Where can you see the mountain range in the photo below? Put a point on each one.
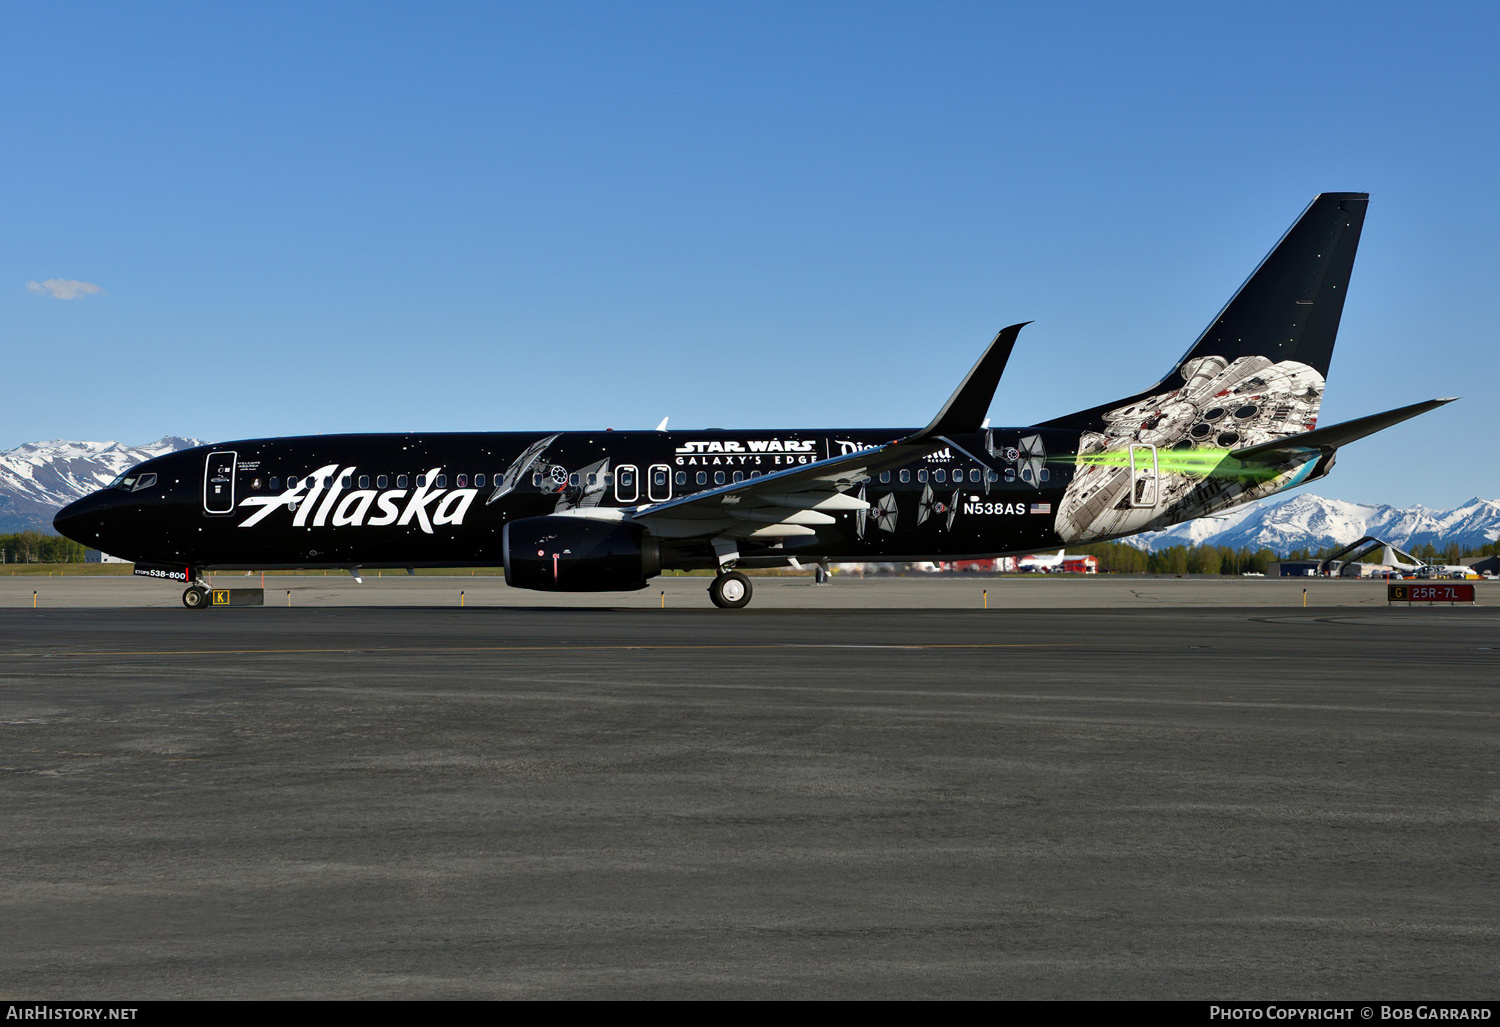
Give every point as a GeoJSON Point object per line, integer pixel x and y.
{"type": "Point", "coordinates": [1312, 522]}
{"type": "Point", "coordinates": [39, 478]}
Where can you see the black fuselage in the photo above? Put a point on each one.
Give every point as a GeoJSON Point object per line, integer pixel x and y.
{"type": "Point", "coordinates": [444, 499]}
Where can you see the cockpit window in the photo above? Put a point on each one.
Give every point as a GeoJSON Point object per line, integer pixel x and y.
{"type": "Point", "coordinates": [132, 482]}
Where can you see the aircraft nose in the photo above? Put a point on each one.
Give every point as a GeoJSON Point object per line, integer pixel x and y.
{"type": "Point", "coordinates": [79, 521]}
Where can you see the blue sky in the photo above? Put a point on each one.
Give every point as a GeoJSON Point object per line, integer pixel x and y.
{"type": "Point", "coordinates": [323, 217]}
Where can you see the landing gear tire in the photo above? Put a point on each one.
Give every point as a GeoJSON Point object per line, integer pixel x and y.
{"type": "Point", "coordinates": [730, 591]}
{"type": "Point", "coordinates": [195, 598]}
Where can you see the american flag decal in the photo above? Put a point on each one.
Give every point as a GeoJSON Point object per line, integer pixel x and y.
{"type": "Point", "coordinates": [1041, 508]}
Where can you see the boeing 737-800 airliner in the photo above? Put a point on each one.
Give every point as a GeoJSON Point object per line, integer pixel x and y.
{"type": "Point", "coordinates": [579, 511]}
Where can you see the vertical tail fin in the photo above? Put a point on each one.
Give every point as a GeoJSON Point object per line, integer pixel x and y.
{"type": "Point", "coordinates": [1287, 313]}
{"type": "Point", "coordinates": [1253, 379]}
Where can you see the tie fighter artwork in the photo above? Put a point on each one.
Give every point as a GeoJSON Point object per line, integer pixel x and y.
{"type": "Point", "coordinates": [1032, 459]}
{"type": "Point", "coordinates": [931, 506]}
{"type": "Point", "coordinates": [879, 514]}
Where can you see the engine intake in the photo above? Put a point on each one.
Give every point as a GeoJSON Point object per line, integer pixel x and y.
{"type": "Point", "coordinates": [573, 554]}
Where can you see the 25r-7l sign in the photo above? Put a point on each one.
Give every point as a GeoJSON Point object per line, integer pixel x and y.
{"type": "Point", "coordinates": [1441, 592]}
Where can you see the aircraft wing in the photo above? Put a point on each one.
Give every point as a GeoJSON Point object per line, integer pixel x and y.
{"type": "Point", "coordinates": [799, 500]}
{"type": "Point", "coordinates": [1331, 438]}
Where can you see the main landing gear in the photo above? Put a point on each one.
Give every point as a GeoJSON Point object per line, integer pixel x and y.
{"type": "Point", "coordinates": [730, 591]}
{"type": "Point", "coordinates": [195, 597]}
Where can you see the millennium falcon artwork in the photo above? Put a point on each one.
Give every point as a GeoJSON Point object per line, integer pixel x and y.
{"type": "Point", "coordinates": [1159, 459]}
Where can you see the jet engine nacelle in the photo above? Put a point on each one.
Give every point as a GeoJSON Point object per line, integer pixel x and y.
{"type": "Point", "coordinates": [574, 554]}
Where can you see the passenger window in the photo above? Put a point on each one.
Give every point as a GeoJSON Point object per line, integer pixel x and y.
{"type": "Point", "coordinates": [905, 476]}
{"type": "Point", "coordinates": [442, 481]}
{"type": "Point", "coordinates": [255, 485]}
{"type": "Point", "coordinates": [922, 475]}
{"type": "Point", "coordinates": [382, 481]}
{"type": "Point", "coordinates": [939, 475]}
{"type": "Point", "coordinates": [574, 480]}
{"type": "Point", "coordinates": [885, 477]}
{"type": "Point", "coordinates": [346, 481]}
{"type": "Point", "coordinates": [593, 480]}
{"type": "Point", "coordinates": [421, 480]}
{"type": "Point", "coordinates": [1010, 474]}
{"type": "Point", "coordinates": [401, 481]}
{"type": "Point", "coordinates": [479, 481]}
{"type": "Point", "coordinates": [702, 477]}
{"type": "Point", "coordinates": [658, 477]}
{"type": "Point", "coordinates": [1046, 474]}
{"type": "Point", "coordinates": [739, 476]}
{"type": "Point", "coordinates": [718, 477]}
{"type": "Point", "coordinates": [364, 481]}
{"type": "Point", "coordinates": [275, 484]}
{"type": "Point", "coordinates": [291, 482]}
{"type": "Point", "coordinates": [462, 481]}
{"type": "Point", "coordinates": [681, 477]}
{"type": "Point", "coordinates": [755, 474]}
{"type": "Point", "coordinates": [991, 476]}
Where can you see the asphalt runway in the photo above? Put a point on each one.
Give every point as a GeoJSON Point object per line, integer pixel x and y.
{"type": "Point", "coordinates": [1161, 796]}
{"type": "Point", "coordinates": [848, 591]}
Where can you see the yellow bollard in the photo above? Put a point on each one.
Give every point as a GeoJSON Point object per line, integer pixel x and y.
{"type": "Point", "coordinates": [460, 598]}
{"type": "Point", "coordinates": [986, 599]}
{"type": "Point", "coordinates": [663, 599]}
{"type": "Point", "coordinates": [33, 600]}
{"type": "Point", "coordinates": [289, 597]}
{"type": "Point", "coordinates": [1304, 598]}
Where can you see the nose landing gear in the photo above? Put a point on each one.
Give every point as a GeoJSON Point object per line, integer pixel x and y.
{"type": "Point", "coordinates": [195, 597]}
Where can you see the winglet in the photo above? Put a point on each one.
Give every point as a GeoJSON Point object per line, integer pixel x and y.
{"type": "Point", "coordinates": [964, 412]}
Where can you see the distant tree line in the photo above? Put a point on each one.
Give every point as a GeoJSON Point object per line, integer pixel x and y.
{"type": "Point", "coordinates": [34, 547]}
{"type": "Point", "coordinates": [1122, 558]}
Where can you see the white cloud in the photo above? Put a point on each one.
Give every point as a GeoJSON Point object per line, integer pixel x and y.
{"type": "Point", "coordinates": [63, 288]}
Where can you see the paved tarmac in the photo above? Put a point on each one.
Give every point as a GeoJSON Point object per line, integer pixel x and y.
{"type": "Point", "coordinates": [847, 591]}
{"type": "Point", "coordinates": [1170, 789]}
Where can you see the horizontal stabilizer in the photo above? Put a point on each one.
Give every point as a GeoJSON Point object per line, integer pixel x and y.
{"type": "Point", "coordinates": [1334, 436]}
{"type": "Point", "coordinates": [964, 412]}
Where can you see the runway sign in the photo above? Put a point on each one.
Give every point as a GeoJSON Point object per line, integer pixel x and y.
{"type": "Point", "coordinates": [1434, 593]}
{"type": "Point", "coordinates": [239, 597]}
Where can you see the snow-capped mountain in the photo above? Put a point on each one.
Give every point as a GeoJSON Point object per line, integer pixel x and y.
{"type": "Point", "coordinates": [1313, 522]}
{"type": "Point", "coordinates": [39, 478]}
